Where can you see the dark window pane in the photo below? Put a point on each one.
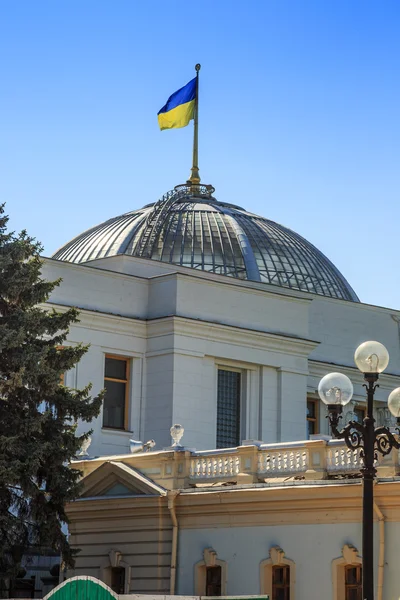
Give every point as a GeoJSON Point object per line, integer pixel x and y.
{"type": "Point", "coordinates": [281, 582]}
{"type": "Point", "coordinates": [278, 575]}
{"type": "Point", "coordinates": [115, 368]}
{"type": "Point", "coordinates": [359, 414]}
{"type": "Point", "coordinates": [310, 428]}
{"type": "Point", "coordinates": [213, 581]}
{"type": "Point", "coordinates": [114, 404]}
{"type": "Point", "coordinates": [118, 580]}
{"type": "Point", "coordinates": [228, 409]}
{"type": "Point", "coordinates": [353, 583]}
{"type": "Point", "coordinates": [311, 411]}
{"type": "Point", "coordinates": [351, 575]}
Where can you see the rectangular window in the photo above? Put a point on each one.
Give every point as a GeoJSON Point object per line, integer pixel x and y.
{"type": "Point", "coordinates": [281, 582]}
{"type": "Point", "coordinates": [312, 417]}
{"type": "Point", "coordinates": [116, 380]}
{"type": "Point", "coordinates": [228, 408]}
{"type": "Point", "coordinates": [213, 581]}
{"type": "Point", "coordinates": [353, 583]}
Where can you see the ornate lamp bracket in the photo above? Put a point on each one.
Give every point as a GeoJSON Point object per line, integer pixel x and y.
{"type": "Point", "coordinates": [354, 433]}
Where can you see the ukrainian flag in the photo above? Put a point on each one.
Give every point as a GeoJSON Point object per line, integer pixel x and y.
{"type": "Point", "coordinates": [179, 109]}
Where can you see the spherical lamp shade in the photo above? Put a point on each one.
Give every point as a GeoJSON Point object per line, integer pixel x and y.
{"type": "Point", "coordinates": [371, 357]}
{"type": "Point", "coordinates": [394, 402]}
{"type": "Point", "coordinates": [335, 388]}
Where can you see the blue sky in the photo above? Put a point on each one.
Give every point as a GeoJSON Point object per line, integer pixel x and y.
{"type": "Point", "coordinates": [299, 117]}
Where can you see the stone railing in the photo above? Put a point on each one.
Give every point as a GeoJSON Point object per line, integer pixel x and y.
{"type": "Point", "coordinates": [339, 459]}
{"type": "Point", "coordinates": [274, 461]}
{"type": "Point", "coordinates": [315, 459]}
{"type": "Point", "coordinates": [253, 462]}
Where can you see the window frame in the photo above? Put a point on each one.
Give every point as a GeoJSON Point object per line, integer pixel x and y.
{"type": "Point", "coordinates": [351, 586]}
{"type": "Point", "coordinates": [115, 559]}
{"type": "Point", "coordinates": [126, 381]}
{"type": "Point", "coordinates": [242, 399]}
{"type": "Point", "coordinates": [315, 419]}
{"type": "Point", "coordinates": [349, 557]}
{"type": "Point", "coordinates": [286, 583]}
{"type": "Point", "coordinates": [210, 559]}
{"type": "Point", "coordinates": [214, 567]}
{"type": "Point", "coordinates": [277, 558]}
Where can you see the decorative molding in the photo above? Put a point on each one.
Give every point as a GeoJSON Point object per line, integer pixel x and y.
{"type": "Point", "coordinates": [239, 336]}
{"type": "Point", "coordinates": [350, 555]}
{"type": "Point", "coordinates": [109, 473]}
{"type": "Point", "coordinates": [318, 369]}
{"type": "Point", "coordinates": [210, 557]}
{"type": "Point", "coordinates": [277, 555]}
{"type": "Point", "coordinates": [107, 322]}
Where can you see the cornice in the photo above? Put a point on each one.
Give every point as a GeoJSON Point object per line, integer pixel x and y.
{"type": "Point", "coordinates": [298, 505]}
{"type": "Point", "coordinates": [82, 267]}
{"type": "Point", "coordinates": [109, 507]}
{"type": "Point", "coordinates": [234, 335]}
{"type": "Point", "coordinates": [319, 369]}
{"type": "Point", "coordinates": [245, 507]}
{"type": "Point", "coordinates": [107, 322]}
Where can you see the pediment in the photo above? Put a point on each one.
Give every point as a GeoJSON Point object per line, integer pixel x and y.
{"type": "Point", "coordinates": [116, 479]}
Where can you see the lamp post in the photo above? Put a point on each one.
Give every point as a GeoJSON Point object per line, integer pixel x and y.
{"type": "Point", "coordinates": [336, 390]}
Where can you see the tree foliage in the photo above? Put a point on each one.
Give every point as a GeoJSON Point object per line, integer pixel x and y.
{"type": "Point", "coordinates": [38, 415]}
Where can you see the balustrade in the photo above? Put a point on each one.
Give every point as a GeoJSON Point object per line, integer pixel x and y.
{"type": "Point", "coordinates": [276, 460]}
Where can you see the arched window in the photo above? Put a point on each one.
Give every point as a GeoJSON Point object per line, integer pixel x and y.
{"type": "Point", "coordinates": [116, 573]}
{"type": "Point", "coordinates": [210, 575]}
{"type": "Point", "coordinates": [347, 575]}
{"type": "Point", "coordinates": [278, 576]}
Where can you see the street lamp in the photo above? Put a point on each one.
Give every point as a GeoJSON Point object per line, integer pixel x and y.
{"type": "Point", "coordinates": [336, 390]}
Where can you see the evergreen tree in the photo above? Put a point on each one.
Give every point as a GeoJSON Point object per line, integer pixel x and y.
{"type": "Point", "coordinates": [38, 414]}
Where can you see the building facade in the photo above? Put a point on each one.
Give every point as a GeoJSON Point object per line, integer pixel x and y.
{"type": "Point", "coordinates": [279, 519]}
{"type": "Point", "coordinates": [200, 313]}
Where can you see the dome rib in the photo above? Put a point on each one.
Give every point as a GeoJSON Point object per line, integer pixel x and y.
{"type": "Point", "coordinates": [190, 228]}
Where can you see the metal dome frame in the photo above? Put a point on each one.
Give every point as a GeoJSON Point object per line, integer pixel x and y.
{"type": "Point", "coordinates": [190, 228]}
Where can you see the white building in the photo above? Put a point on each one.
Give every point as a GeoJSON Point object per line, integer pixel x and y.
{"type": "Point", "coordinates": [200, 313]}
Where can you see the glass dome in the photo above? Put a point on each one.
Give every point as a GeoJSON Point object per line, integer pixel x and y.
{"type": "Point", "coordinates": [190, 228]}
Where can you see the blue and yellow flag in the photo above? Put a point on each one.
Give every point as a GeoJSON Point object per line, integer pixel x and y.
{"type": "Point", "coordinates": [179, 109]}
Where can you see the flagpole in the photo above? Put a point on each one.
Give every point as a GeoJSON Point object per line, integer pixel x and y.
{"type": "Point", "coordinates": [195, 176]}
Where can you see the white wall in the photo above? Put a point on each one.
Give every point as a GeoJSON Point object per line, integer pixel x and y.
{"type": "Point", "coordinates": [342, 326]}
{"type": "Point", "coordinates": [102, 291]}
{"type": "Point", "coordinates": [177, 327]}
{"type": "Point", "coordinates": [311, 547]}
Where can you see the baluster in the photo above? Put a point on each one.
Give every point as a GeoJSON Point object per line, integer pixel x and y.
{"type": "Point", "coordinates": [274, 459]}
